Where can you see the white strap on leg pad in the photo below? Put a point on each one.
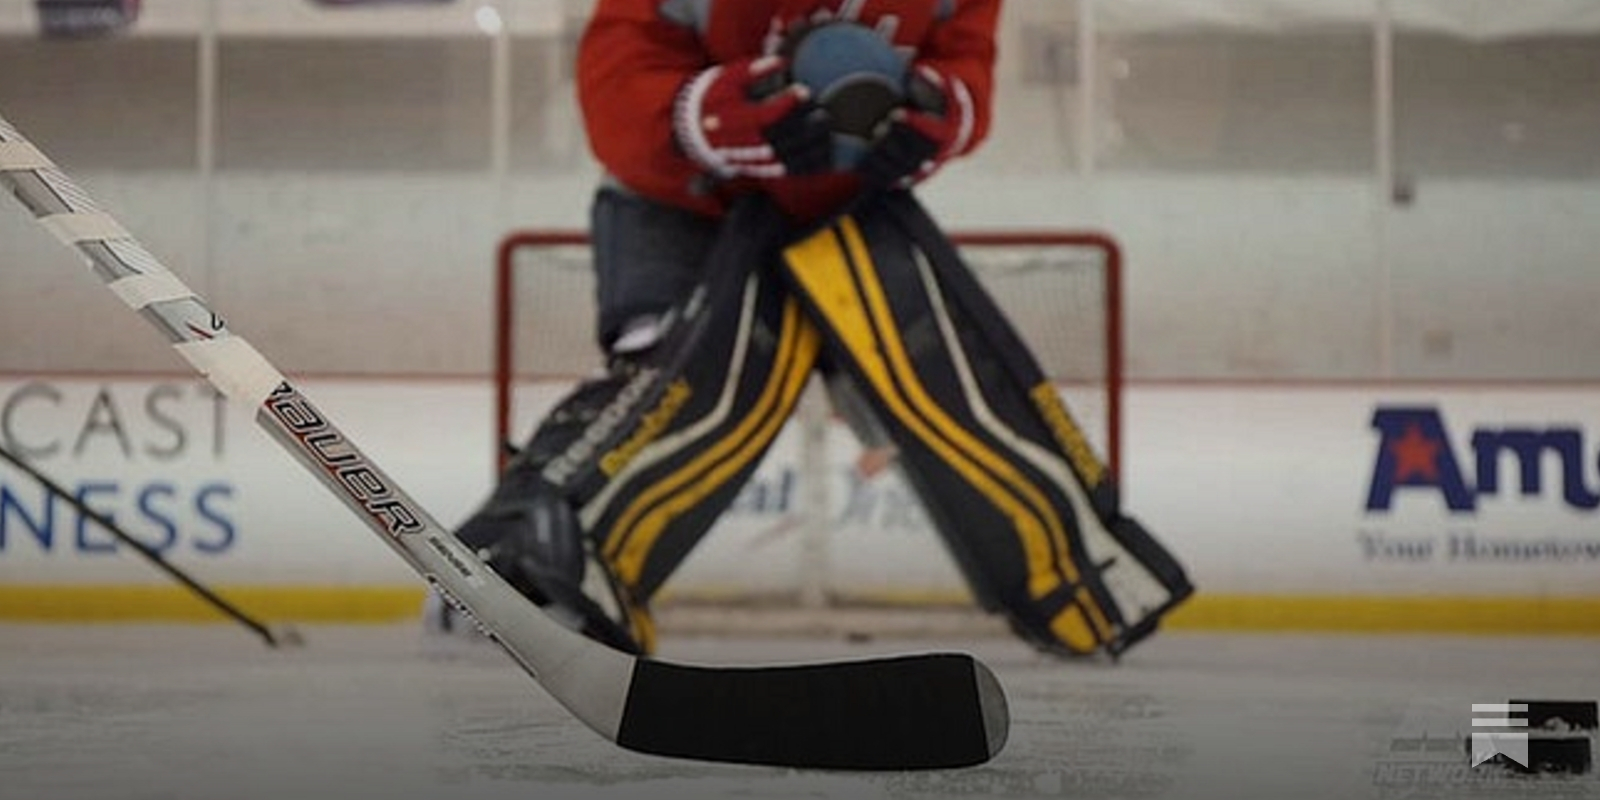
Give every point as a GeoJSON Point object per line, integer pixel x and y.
{"type": "Point", "coordinates": [639, 334]}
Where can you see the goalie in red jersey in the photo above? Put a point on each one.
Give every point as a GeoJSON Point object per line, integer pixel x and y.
{"type": "Point", "coordinates": [729, 131]}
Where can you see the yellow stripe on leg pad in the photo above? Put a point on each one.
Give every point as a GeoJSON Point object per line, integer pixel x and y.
{"type": "Point", "coordinates": [837, 271]}
{"type": "Point", "coordinates": [647, 517]}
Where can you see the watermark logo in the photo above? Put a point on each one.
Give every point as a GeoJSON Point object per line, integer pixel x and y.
{"type": "Point", "coordinates": [1512, 744]}
{"type": "Point", "coordinates": [1520, 748]}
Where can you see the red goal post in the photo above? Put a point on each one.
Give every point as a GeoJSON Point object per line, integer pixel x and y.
{"type": "Point", "coordinates": [1061, 288]}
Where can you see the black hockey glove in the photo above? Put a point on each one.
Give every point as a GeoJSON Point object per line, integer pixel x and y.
{"type": "Point", "coordinates": [934, 124]}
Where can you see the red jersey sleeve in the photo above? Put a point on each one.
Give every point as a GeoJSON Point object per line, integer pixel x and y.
{"type": "Point", "coordinates": [631, 63]}
{"type": "Point", "coordinates": [963, 45]}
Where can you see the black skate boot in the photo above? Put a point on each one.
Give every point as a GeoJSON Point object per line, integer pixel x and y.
{"type": "Point", "coordinates": [529, 534]}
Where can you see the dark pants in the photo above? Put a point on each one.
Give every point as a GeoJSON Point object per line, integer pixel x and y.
{"type": "Point", "coordinates": [647, 257]}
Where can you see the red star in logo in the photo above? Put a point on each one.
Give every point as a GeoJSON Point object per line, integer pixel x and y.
{"type": "Point", "coordinates": [1415, 455]}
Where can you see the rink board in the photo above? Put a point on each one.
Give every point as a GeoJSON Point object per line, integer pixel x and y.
{"type": "Point", "coordinates": [1306, 506]}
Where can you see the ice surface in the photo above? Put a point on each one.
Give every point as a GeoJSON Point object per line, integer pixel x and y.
{"type": "Point", "coordinates": [135, 711]}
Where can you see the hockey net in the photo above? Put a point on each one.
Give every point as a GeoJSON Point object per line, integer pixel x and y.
{"type": "Point", "coordinates": [816, 522]}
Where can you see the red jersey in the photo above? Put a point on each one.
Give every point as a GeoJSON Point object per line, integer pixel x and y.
{"type": "Point", "coordinates": [635, 56]}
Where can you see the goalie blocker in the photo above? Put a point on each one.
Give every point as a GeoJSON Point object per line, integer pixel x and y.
{"type": "Point", "coordinates": [629, 472]}
{"type": "Point", "coordinates": [1024, 504]}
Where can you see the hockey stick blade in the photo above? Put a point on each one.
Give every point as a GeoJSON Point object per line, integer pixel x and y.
{"type": "Point", "coordinates": [912, 712]}
{"type": "Point", "coordinates": [908, 712]}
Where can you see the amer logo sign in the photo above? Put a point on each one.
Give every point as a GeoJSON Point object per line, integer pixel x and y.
{"type": "Point", "coordinates": [1415, 456]}
{"type": "Point", "coordinates": [1510, 493]}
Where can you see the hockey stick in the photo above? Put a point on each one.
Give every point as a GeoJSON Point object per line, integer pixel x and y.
{"type": "Point", "coordinates": [924, 711]}
{"type": "Point", "coordinates": [284, 635]}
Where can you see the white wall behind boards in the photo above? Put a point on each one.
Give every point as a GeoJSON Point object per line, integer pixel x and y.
{"type": "Point", "coordinates": [1232, 277]}
{"type": "Point", "coordinates": [1305, 190]}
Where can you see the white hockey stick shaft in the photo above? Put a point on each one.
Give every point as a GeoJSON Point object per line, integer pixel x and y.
{"type": "Point", "coordinates": [589, 679]}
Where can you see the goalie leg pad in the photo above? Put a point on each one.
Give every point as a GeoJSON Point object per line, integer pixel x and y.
{"type": "Point", "coordinates": [1019, 498]}
{"type": "Point", "coordinates": [648, 458]}
{"type": "Point", "coordinates": [652, 492]}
